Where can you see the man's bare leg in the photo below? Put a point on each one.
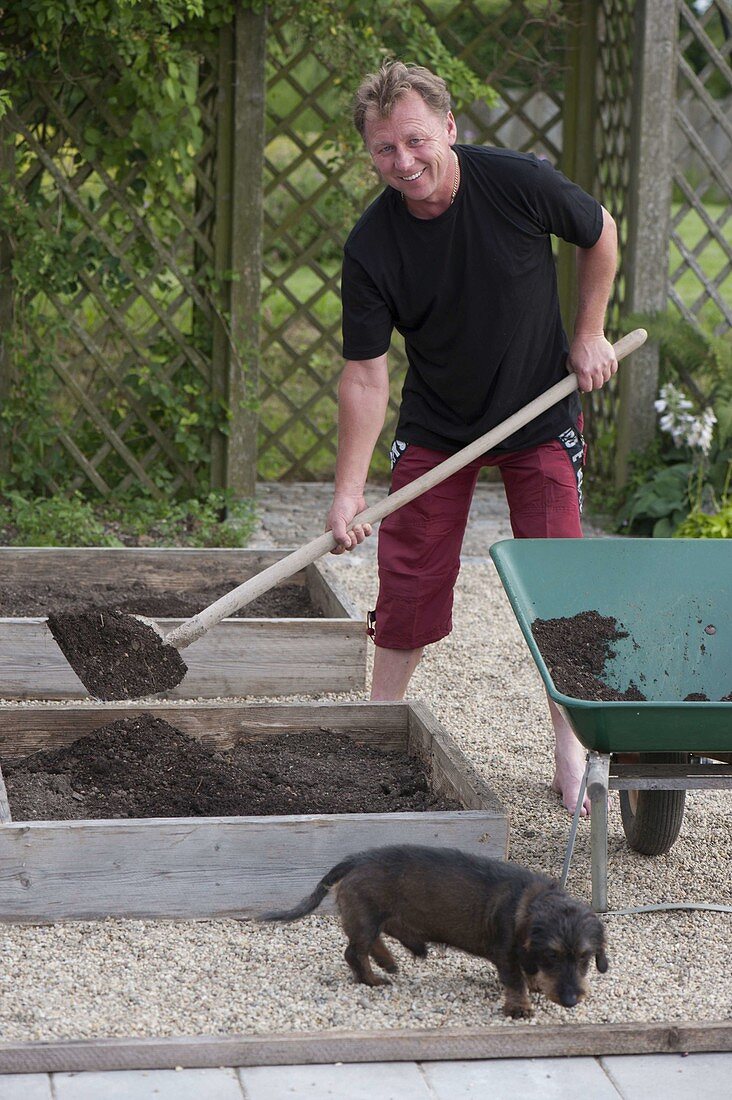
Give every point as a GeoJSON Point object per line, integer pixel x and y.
{"type": "Point", "coordinates": [393, 670]}
{"type": "Point", "coordinates": [569, 762]}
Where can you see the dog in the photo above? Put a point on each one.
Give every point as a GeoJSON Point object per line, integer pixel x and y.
{"type": "Point", "coordinates": [536, 935]}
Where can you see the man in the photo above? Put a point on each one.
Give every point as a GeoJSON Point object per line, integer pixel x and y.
{"type": "Point", "coordinates": [456, 255]}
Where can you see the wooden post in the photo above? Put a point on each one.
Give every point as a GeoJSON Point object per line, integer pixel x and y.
{"type": "Point", "coordinates": [649, 206]}
{"type": "Point", "coordinates": [238, 248]}
{"type": "Point", "coordinates": [7, 171]}
{"type": "Point", "coordinates": [578, 133]}
{"type": "Point", "coordinates": [222, 247]}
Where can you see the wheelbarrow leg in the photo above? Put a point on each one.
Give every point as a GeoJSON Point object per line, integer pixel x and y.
{"type": "Point", "coordinates": [575, 825]}
{"type": "Point", "coordinates": [598, 784]}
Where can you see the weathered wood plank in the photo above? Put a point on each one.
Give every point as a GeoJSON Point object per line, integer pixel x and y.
{"type": "Point", "coordinates": [159, 568]}
{"type": "Point", "coordinates": [650, 162]}
{"type": "Point", "coordinates": [201, 867]}
{"type": "Point", "coordinates": [327, 594]}
{"type": "Point", "coordinates": [26, 729]}
{"type": "Point", "coordinates": [452, 773]}
{"type": "Point", "coordinates": [517, 1040]}
{"type": "Point", "coordinates": [5, 815]}
{"type": "Point", "coordinates": [245, 292]}
{"type": "Point", "coordinates": [237, 657]}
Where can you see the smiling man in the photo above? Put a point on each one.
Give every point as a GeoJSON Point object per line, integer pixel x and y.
{"type": "Point", "coordinates": [456, 254]}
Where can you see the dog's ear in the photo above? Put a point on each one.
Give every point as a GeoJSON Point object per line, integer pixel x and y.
{"type": "Point", "coordinates": [601, 961]}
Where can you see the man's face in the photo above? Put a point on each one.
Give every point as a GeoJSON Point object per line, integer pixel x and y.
{"type": "Point", "coordinates": [412, 151]}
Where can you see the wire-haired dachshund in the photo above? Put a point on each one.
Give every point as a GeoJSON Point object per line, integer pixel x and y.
{"type": "Point", "coordinates": [537, 936]}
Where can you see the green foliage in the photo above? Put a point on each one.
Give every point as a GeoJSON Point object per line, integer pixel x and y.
{"type": "Point", "coordinates": [702, 525]}
{"type": "Point", "coordinates": [52, 521]}
{"type": "Point", "coordinates": [678, 490]}
{"type": "Point", "coordinates": [123, 75]}
{"type": "Point", "coordinates": [70, 520]}
{"type": "Point", "coordinates": [658, 502]}
{"type": "Point", "coordinates": [714, 521]}
{"type": "Point", "coordinates": [356, 39]}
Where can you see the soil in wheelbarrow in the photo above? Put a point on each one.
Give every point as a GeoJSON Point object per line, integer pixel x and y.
{"type": "Point", "coordinates": [140, 766]}
{"type": "Point", "coordinates": [575, 650]}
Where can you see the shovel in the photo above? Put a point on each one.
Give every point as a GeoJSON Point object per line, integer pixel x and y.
{"type": "Point", "coordinates": [119, 656]}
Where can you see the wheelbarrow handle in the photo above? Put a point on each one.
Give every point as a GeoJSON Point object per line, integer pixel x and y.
{"type": "Point", "coordinates": [195, 627]}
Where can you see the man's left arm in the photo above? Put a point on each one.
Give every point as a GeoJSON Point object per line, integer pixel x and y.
{"type": "Point", "coordinates": [591, 356]}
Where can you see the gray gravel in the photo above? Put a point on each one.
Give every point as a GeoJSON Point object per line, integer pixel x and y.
{"type": "Point", "coordinates": [142, 978]}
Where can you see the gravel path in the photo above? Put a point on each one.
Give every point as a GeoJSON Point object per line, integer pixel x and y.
{"type": "Point", "coordinates": [124, 978]}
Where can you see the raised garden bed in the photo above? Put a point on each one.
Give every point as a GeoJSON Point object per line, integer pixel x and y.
{"type": "Point", "coordinates": [205, 867]}
{"type": "Point", "coordinates": [305, 636]}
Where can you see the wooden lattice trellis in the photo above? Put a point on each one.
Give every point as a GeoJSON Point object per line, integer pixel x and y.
{"type": "Point", "coordinates": [703, 166]}
{"type": "Point", "coordinates": [119, 329]}
{"type": "Point", "coordinates": [139, 318]}
{"type": "Point", "coordinates": [615, 30]}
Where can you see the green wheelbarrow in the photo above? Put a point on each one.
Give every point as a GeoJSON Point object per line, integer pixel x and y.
{"type": "Point", "coordinates": [674, 598]}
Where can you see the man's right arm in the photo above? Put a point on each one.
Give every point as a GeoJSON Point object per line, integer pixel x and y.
{"type": "Point", "coordinates": [363, 396]}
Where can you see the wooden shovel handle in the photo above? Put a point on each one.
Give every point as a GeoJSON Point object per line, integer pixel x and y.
{"type": "Point", "coordinates": [195, 627]}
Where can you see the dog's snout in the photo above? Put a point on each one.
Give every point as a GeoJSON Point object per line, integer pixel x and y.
{"type": "Point", "coordinates": [569, 999]}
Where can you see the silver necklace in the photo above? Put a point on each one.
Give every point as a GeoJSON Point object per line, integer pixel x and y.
{"type": "Point", "coordinates": [456, 181]}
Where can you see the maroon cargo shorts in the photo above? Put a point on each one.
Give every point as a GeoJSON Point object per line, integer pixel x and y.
{"type": "Point", "coordinates": [419, 544]}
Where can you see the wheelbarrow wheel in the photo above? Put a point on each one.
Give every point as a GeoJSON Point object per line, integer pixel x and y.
{"type": "Point", "coordinates": [652, 820]}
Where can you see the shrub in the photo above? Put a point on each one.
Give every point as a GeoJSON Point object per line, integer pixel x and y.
{"type": "Point", "coordinates": [74, 521]}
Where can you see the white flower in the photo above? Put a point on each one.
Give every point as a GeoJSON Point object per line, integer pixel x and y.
{"type": "Point", "coordinates": [685, 429]}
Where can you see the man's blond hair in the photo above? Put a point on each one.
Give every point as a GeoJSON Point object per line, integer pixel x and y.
{"type": "Point", "coordinates": [379, 92]}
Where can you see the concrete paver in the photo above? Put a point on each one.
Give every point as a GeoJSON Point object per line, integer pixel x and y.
{"type": "Point", "coordinates": [513, 1079]}
{"type": "Point", "coordinates": [631, 1077]}
{"type": "Point", "coordinates": [162, 1084]}
{"type": "Point", "coordinates": [25, 1086]}
{"type": "Point", "coordinates": [673, 1076]}
{"type": "Point", "coordinates": [353, 1081]}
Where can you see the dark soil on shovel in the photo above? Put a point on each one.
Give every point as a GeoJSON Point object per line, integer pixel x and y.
{"type": "Point", "coordinates": [575, 650]}
{"type": "Point", "coordinates": [116, 656]}
{"type": "Point", "coordinates": [143, 767]}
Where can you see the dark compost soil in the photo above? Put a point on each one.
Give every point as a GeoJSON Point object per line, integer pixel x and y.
{"type": "Point", "coordinates": [143, 767]}
{"type": "Point", "coordinates": [575, 650]}
{"type": "Point", "coordinates": [290, 601]}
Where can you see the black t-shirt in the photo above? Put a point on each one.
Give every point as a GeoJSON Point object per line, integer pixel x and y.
{"type": "Point", "coordinates": [474, 294]}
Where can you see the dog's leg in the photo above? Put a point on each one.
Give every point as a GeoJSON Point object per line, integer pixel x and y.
{"type": "Point", "coordinates": [362, 929]}
{"type": "Point", "coordinates": [383, 956]}
{"type": "Point", "coordinates": [516, 1004]}
{"type": "Point", "coordinates": [406, 938]}
{"type": "Point", "coordinates": [516, 1001]}
{"type": "Point", "coordinates": [360, 964]}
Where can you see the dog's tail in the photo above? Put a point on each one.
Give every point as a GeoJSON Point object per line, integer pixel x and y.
{"type": "Point", "coordinates": [312, 901]}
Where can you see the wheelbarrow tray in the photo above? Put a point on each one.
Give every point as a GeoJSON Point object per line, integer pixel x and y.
{"type": "Point", "coordinates": [665, 593]}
